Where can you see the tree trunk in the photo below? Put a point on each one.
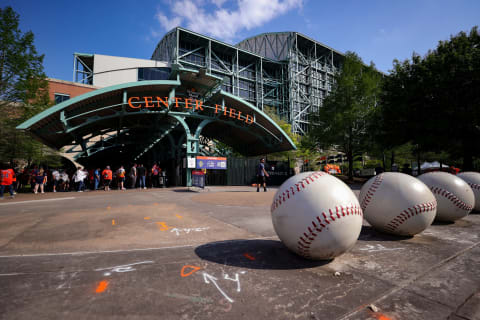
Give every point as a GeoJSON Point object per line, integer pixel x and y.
{"type": "Point", "coordinates": [419, 171]}
{"type": "Point", "coordinates": [350, 155]}
{"type": "Point", "coordinates": [392, 160]}
{"type": "Point", "coordinates": [350, 165]}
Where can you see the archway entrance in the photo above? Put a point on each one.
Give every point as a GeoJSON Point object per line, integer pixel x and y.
{"type": "Point", "coordinates": [164, 121]}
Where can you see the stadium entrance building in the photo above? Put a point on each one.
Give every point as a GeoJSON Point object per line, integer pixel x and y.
{"type": "Point", "coordinates": [193, 93]}
{"type": "Point", "coordinates": [164, 121]}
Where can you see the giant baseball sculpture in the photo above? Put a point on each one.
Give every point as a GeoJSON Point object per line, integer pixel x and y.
{"type": "Point", "coordinates": [473, 180]}
{"type": "Point", "coordinates": [454, 196]}
{"type": "Point", "coordinates": [316, 215]}
{"type": "Point", "coordinates": [397, 203]}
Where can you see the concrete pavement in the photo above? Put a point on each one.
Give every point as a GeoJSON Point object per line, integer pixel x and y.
{"type": "Point", "coordinates": [176, 254]}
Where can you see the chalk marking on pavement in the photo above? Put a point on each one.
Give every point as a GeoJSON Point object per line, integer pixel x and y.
{"type": "Point", "coordinates": [102, 286]}
{"type": "Point", "coordinates": [191, 298]}
{"type": "Point", "coordinates": [125, 267]}
{"type": "Point", "coordinates": [406, 283]}
{"type": "Point", "coordinates": [30, 201]}
{"type": "Point", "coordinates": [163, 226]}
{"type": "Point", "coordinates": [249, 257]}
{"type": "Point", "coordinates": [11, 274]}
{"type": "Point", "coordinates": [192, 271]}
{"type": "Point", "coordinates": [119, 251]}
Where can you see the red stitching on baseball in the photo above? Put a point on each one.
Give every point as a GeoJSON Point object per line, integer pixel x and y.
{"type": "Point", "coordinates": [300, 186]}
{"type": "Point", "coordinates": [450, 196]}
{"type": "Point", "coordinates": [371, 191]}
{"type": "Point", "coordinates": [415, 210]}
{"type": "Point", "coordinates": [474, 185]}
{"type": "Point", "coordinates": [304, 246]}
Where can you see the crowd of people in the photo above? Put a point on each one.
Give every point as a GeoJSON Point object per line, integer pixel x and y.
{"type": "Point", "coordinates": [40, 180]}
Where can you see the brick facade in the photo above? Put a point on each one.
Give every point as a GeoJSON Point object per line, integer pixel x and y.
{"type": "Point", "coordinates": [72, 89]}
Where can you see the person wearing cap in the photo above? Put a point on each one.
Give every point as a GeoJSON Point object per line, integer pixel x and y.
{"type": "Point", "coordinates": [261, 175]}
{"type": "Point", "coordinates": [107, 177]}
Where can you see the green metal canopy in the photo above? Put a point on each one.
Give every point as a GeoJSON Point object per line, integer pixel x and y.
{"type": "Point", "coordinates": [130, 119]}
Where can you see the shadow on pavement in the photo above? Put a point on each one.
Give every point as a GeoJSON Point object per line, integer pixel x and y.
{"type": "Point", "coordinates": [185, 190]}
{"type": "Point", "coordinates": [442, 223]}
{"type": "Point", "coordinates": [255, 254]}
{"type": "Point", "coordinates": [368, 233]}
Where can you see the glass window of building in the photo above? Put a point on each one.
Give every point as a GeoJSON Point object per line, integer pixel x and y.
{"type": "Point", "coordinates": [60, 97]}
{"type": "Point", "coordinates": [153, 74]}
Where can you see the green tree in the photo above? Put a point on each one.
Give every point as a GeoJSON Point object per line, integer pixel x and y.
{"type": "Point", "coordinates": [344, 118]}
{"type": "Point", "coordinates": [23, 91]}
{"type": "Point", "coordinates": [287, 128]}
{"type": "Point", "coordinates": [21, 67]}
{"type": "Point", "coordinates": [433, 102]}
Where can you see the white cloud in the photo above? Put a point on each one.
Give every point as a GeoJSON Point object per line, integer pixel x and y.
{"type": "Point", "coordinates": [168, 23]}
{"type": "Point", "coordinates": [221, 22]}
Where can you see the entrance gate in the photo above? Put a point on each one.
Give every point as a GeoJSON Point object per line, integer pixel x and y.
{"type": "Point", "coordinates": [161, 120]}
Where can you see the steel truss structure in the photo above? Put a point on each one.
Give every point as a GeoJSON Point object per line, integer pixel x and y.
{"type": "Point", "coordinates": [83, 68]}
{"type": "Point", "coordinates": [286, 71]}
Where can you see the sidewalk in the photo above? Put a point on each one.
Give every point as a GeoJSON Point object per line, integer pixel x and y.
{"type": "Point", "coordinates": [178, 254]}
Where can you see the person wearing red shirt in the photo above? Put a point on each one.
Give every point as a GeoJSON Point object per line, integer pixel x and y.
{"type": "Point", "coordinates": [107, 177]}
{"type": "Point", "coordinates": [6, 180]}
{"type": "Point", "coordinates": [14, 180]}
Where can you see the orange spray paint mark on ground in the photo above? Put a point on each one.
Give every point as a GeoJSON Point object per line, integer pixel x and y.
{"type": "Point", "coordinates": [146, 218]}
{"type": "Point", "coordinates": [163, 226]}
{"type": "Point", "coordinates": [178, 216]}
{"type": "Point", "coordinates": [113, 222]}
{"type": "Point", "coordinates": [380, 316]}
{"type": "Point", "coordinates": [192, 271]}
{"type": "Point", "coordinates": [249, 257]}
{"type": "Point", "coordinates": [102, 286]}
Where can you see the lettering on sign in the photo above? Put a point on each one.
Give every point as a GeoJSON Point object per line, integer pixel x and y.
{"type": "Point", "coordinates": [155, 102]}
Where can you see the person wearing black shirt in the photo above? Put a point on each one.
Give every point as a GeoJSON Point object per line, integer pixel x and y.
{"type": "Point", "coordinates": [261, 175]}
{"type": "Point", "coordinates": [141, 171]}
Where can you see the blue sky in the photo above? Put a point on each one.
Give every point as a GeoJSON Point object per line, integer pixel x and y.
{"type": "Point", "coordinates": [378, 31]}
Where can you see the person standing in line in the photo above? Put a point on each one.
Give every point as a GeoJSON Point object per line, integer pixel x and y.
{"type": "Point", "coordinates": [23, 178]}
{"type": "Point", "coordinates": [96, 178]}
{"type": "Point", "coordinates": [154, 176]}
{"type": "Point", "coordinates": [64, 181]}
{"type": "Point", "coordinates": [32, 175]}
{"type": "Point", "coordinates": [121, 178]}
{"type": "Point", "coordinates": [133, 175]}
{"type": "Point", "coordinates": [141, 171]}
{"type": "Point", "coordinates": [78, 178]}
{"type": "Point", "coordinates": [89, 179]}
{"type": "Point", "coordinates": [14, 180]}
{"type": "Point", "coordinates": [85, 179]}
{"type": "Point", "coordinates": [262, 175]}
{"type": "Point", "coordinates": [6, 181]}
{"type": "Point", "coordinates": [40, 180]}
{"type": "Point", "coordinates": [56, 179]}
{"type": "Point", "coordinates": [107, 178]}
